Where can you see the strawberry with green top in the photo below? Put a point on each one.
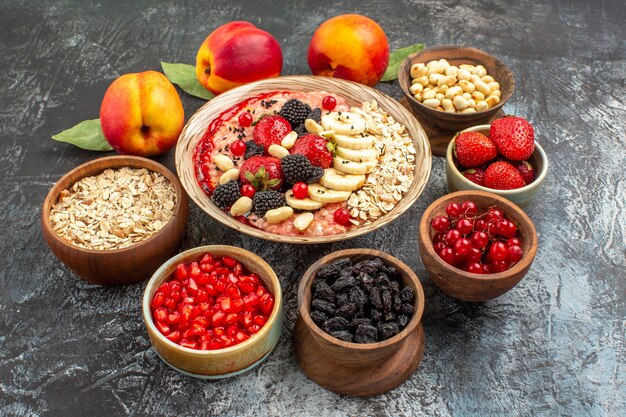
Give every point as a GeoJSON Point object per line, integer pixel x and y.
{"type": "Point", "coordinates": [503, 176]}
{"type": "Point", "coordinates": [473, 149]}
{"type": "Point", "coordinates": [514, 137]}
{"type": "Point", "coordinates": [262, 172]}
{"type": "Point", "coordinates": [316, 148]}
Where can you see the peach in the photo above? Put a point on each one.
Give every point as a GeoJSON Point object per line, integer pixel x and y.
{"type": "Point", "coordinates": [350, 46]}
{"type": "Point", "coordinates": [237, 53]}
{"type": "Point", "coordinates": [141, 114]}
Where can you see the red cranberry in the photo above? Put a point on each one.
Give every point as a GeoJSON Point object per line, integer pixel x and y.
{"type": "Point", "coordinates": [329, 102]}
{"type": "Point", "coordinates": [245, 119]}
{"type": "Point", "coordinates": [238, 147]}
{"type": "Point", "coordinates": [342, 216]}
{"type": "Point", "coordinates": [301, 190]}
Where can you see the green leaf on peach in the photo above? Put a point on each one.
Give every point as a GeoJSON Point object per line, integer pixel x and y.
{"type": "Point", "coordinates": [86, 135]}
{"type": "Point", "coordinates": [396, 58]}
{"type": "Point", "coordinates": [185, 76]}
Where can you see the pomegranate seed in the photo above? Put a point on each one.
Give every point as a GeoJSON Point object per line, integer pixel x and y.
{"type": "Point", "coordinates": [218, 318]}
{"type": "Point", "coordinates": [219, 331]}
{"type": "Point", "coordinates": [232, 278]}
{"type": "Point", "coordinates": [170, 303]}
{"type": "Point", "coordinates": [229, 262]}
{"type": "Point", "coordinates": [237, 305]}
{"type": "Point", "coordinates": [246, 287]}
{"type": "Point", "coordinates": [225, 304]}
{"type": "Point", "coordinates": [165, 289]}
{"type": "Point", "coordinates": [247, 319]}
{"type": "Point", "coordinates": [230, 318]}
{"type": "Point", "coordinates": [160, 314]}
{"type": "Point", "coordinates": [158, 300]}
{"type": "Point", "coordinates": [215, 344]}
{"type": "Point", "coordinates": [267, 305]}
{"type": "Point", "coordinates": [210, 290]}
{"type": "Point", "coordinates": [194, 270]}
{"type": "Point", "coordinates": [181, 272]}
{"type": "Point", "coordinates": [232, 330]}
{"type": "Point", "coordinates": [227, 340]}
{"type": "Point", "coordinates": [189, 300]}
{"type": "Point", "coordinates": [220, 286]}
{"type": "Point", "coordinates": [192, 286]}
{"type": "Point", "coordinates": [254, 328]}
{"type": "Point", "coordinates": [222, 271]}
{"type": "Point", "coordinates": [206, 345]}
{"type": "Point", "coordinates": [174, 336]}
{"type": "Point", "coordinates": [240, 337]}
{"type": "Point", "coordinates": [260, 291]}
{"type": "Point", "coordinates": [207, 259]}
{"type": "Point", "coordinates": [174, 318]}
{"type": "Point", "coordinates": [162, 327]}
{"type": "Point", "coordinates": [260, 320]}
{"type": "Point", "coordinates": [188, 344]}
{"type": "Point", "coordinates": [234, 291]}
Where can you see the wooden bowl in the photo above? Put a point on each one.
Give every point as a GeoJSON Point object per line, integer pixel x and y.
{"type": "Point", "coordinates": [221, 363]}
{"type": "Point", "coordinates": [121, 266]}
{"type": "Point", "coordinates": [465, 285]}
{"type": "Point", "coordinates": [456, 55]}
{"type": "Point", "coordinates": [358, 369]}
{"type": "Point", "coordinates": [354, 93]}
{"type": "Point", "coordinates": [520, 196]}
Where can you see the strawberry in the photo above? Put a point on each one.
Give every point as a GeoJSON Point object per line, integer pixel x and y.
{"type": "Point", "coordinates": [317, 148]}
{"type": "Point", "coordinates": [270, 130]}
{"type": "Point", "coordinates": [475, 175]}
{"type": "Point", "coordinates": [514, 137]}
{"type": "Point", "coordinates": [473, 149]}
{"type": "Point", "coordinates": [527, 171]}
{"type": "Point", "coordinates": [503, 176]}
{"type": "Point", "coordinates": [262, 172]}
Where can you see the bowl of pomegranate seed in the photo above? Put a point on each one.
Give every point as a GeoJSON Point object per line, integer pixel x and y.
{"type": "Point", "coordinates": [476, 245]}
{"type": "Point", "coordinates": [503, 158]}
{"type": "Point", "coordinates": [213, 312]}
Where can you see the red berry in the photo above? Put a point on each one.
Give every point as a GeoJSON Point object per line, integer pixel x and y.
{"type": "Point", "coordinates": [440, 223]}
{"type": "Point", "coordinates": [262, 172]}
{"type": "Point", "coordinates": [452, 236]}
{"type": "Point", "coordinates": [238, 147]}
{"type": "Point", "coordinates": [438, 247]}
{"type": "Point", "coordinates": [515, 253]}
{"type": "Point", "coordinates": [271, 130]}
{"type": "Point", "coordinates": [300, 190]}
{"type": "Point", "coordinates": [507, 228]}
{"type": "Point", "coordinates": [494, 214]}
{"type": "Point", "coordinates": [437, 238]}
{"type": "Point", "coordinates": [342, 216]}
{"type": "Point", "coordinates": [316, 148]}
{"type": "Point", "coordinates": [468, 208]}
{"type": "Point", "coordinates": [329, 102]}
{"type": "Point", "coordinates": [465, 226]}
{"type": "Point", "coordinates": [453, 210]}
{"type": "Point", "coordinates": [245, 119]}
{"type": "Point", "coordinates": [475, 175]}
{"type": "Point", "coordinates": [500, 266]}
{"type": "Point", "coordinates": [514, 137]}
{"type": "Point", "coordinates": [474, 255]}
{"type": "Point", "coordinates": [514, 241]}
{"type": "Point", "coordinates": [498, 251]}
{"type": "Point", "coordinates": [474, 268]}
{"type": "Point", "coordinates": [474, 149]}
{"type": "Point", "coordinates": [480, 225]}
{"type": "Point", "coordinates": [248, 190]}
{"type": "Point", "coordinates": [503, 176]}
{"type": "Point", "coordinates": [527, 171]}
{"type": "Point", "coordinates": [479, 240]}
{"type": "Point", "coordinates": [448, 255]}
{"type": "Point", "coordinates": [462, 247]}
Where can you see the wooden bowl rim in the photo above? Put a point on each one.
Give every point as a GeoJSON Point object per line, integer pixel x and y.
{"type": "Point", "coordinates": [307, 281]}
{"type": "Point", "coordinates": [236, 253]}
{"type": "Point", "coordinates": [444, 48]}
{"type": "Point", "coordinates": [247, 90]}
{"type": "Point", "coordinates": [115, 161]}
{"type": "Point", "coordinates": [506, 206]}
{"type": "Point", "coordinates": [533, 185]}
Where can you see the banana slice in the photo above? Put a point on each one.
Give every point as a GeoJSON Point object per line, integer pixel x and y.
{"type": "Point", "coordinates": [336, 180]}
{"type": "Point", "coordinates": [326, 195]}
{"type": "Point", "coordinates": [350, 167]}
{"type": "Point", "coordinates": [344, 123]}
{"type": "Point", "coordinates": [305, 204]}
{"type": "Point", "coordinates": [354, 142]}
{"type": "Point", "coordinates": [357, 155]}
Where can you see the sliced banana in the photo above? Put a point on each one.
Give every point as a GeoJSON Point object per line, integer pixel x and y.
{"type": "Point", "coordinates": [344, 123]}
{"type": "Point", "coordinates": [326, 195]}
{"type": "Point", "coordinates": [305, 204]}
{"type": "Point", "coordinates": [312, 126]}
{"type": "Point", "coordinates": [350, 167]}
{"type": "Point", "coordinates": [337, 180]}
{"type": "Point", "coordinates": [354, 142]}
{"type": "Point", "coordinates": [357, 155]}
{"type": "Point", "coordinates": [278, 215]}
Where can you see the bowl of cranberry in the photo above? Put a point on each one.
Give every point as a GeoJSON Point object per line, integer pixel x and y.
{"type": "Point", "coordinates": [213, 312]}
{"type": "Point", "coordinates": [503, 158]}
{"type": "Point", "coordinates": [476, 245]}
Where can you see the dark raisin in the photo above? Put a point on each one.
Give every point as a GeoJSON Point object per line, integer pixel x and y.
{"type": "Point", "coordinates": [324, 292]}
{"type": "Point", "coordinates": [341, 298]}
{"type": "Point", "coordinates": [343, 283]}
{"type": "Point", "coordinates": [358, 296]}
{"type": "Point", "coordinates": [390, 316]}
{"type": "Point", "coordinates": [369, 265]}
{"type": "Point", "coordinates": [347, 311]}
{"type": "Point", "coordinates": [382, 281]}
{"type": "Point", "coordinates": [394, 286]}
{"type": "Point", "coordinates": [375, 298]}
{"type": "Point", "coordinates": [318, 317]}
{"type": "Point", "coordinates": [345, 272]}
{"type": "Point", "coordinates": [387, 330]}
{"type": "Point", "coordinates": [407, 308]}
{"type": "Point", "coordinates": [390, 270]}
{"type": "Point", "coordinates": [362, 320]}
{"type": "Point", "coordinates": [323, 306]}
{"type": "Point", "coordinates": [376, 315]}
{"type": "Point", "coordinates": [344, 335]}
{"type": "Point", "coordinates": [402, 320]}
{"type": "Point", "coordinates": [342, 262]}
{"type": "Point", "coordinates": [334, 324]}
{"type": "Point", "coordinates": [407, 294]}
{"type": "Point", "coordinates": [365, 334]}
{"type": "Point", "coordinates": [396, 303]}
{"type": "Point", "coordinates": [328, 271]}
{"type": "Point", "coordinates": [365, 280]}
{"type": "Point", "coordinates": [386, 299]}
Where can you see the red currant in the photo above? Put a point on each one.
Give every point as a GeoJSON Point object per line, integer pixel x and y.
{"type": "Point", "coordinates": [448, 255]}
{"type": "Point", "coordinates": [507, 228]}
{"type": "Point", "coordinates": [480, 225]}
{"type": "Point", "coordinates": [473, 255]}
{"type": "Point", "coordinates": [342, 216]}
{"type": "Point", "coordinates": [514, 241]}
{"type": "Point", "coordinates": [479, 240]}
{"type": "Point", "coordinates": [437, 238]}
{"type": "Point", "coordinates": [245, 119]}
{"type": "Point", "coordinates": [453, 210]}
{"type": "Point", "coordinates": [474, 268]}
{"type": "Point", "coordinates": [486, 269]}
{"type": "Point", "coordinates": [248, 190]}
{"type": "Point", "coordinates": [498, 251]}
{"type": "Point", "coordinates": [238, 147]}
{"type": "Point", "coordinates": [329, 102]}
{"type": "Point", "coordinates": [462, 247]}
{"type": "Point", "coordinates": [440, 223]}
{"type": "Point", "coordinates": [515, 253]}
{"type": "Point", "coordinates": [438, 247]}
{"type": "Point", "coordinates": [500, 266]}
{"type": "Point", "coordinates": [452, 236]}
{"type": "Point", "coordinates": [494, 214]}
{"type": "Point", "coordinates": [469, 208]}
{"type": "Point", "coordinates": [300, 190]}
{"type": "Point", "coordinates": [465, 226]}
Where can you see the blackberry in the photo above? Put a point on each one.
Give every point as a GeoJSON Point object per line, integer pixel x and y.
{"type": "Point", "coordinates": [253, 149]}
{"type": "Point", "coordinates": [225, 195]}
{"type": "Point", "coordinates": [300, 130]}
{"type": "Point", "coordinates": [294, 111]}
{"type": "Point", "coordinates": [296, 168]}
{"type": "Point", "coordinates": [267, 200]}
{"type": "Point", "coordinates": [315, 174]}
{"type": "Point", "coordinates": [315, 114]}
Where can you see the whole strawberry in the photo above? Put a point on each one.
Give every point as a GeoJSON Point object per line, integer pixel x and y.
{"type": "Point", "coordinates": [527, 171]}
{"type": "Point", "coordinates": [514, 137]}
{"type": "Point", "coordinates": [270, 130]}
{"type": "Point", "coordinates": [475, 175]}
{"type": "Point", "coordinates": [262, 172]}
{"type": "Point", "coordinates": [474, 149]}
{"type": "Point", "coordinates": [316, 148]}
{"type": "Point", "coordinates": [503, 176]}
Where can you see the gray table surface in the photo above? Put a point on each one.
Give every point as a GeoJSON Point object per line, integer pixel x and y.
{"type": "Point", "coordinates": [552, 346]}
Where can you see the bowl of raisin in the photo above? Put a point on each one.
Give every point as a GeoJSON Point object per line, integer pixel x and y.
{"type": "Point", "coordinates": [359, 329]}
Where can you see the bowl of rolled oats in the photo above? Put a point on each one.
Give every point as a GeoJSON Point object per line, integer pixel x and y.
{"type": "Point", "coordinates": [303, 159]}
{"type": "Point", "coordinates": [115, 220]}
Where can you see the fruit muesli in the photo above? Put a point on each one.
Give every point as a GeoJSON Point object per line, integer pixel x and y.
{"type": "Point", "coordinates": [305, 163]}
